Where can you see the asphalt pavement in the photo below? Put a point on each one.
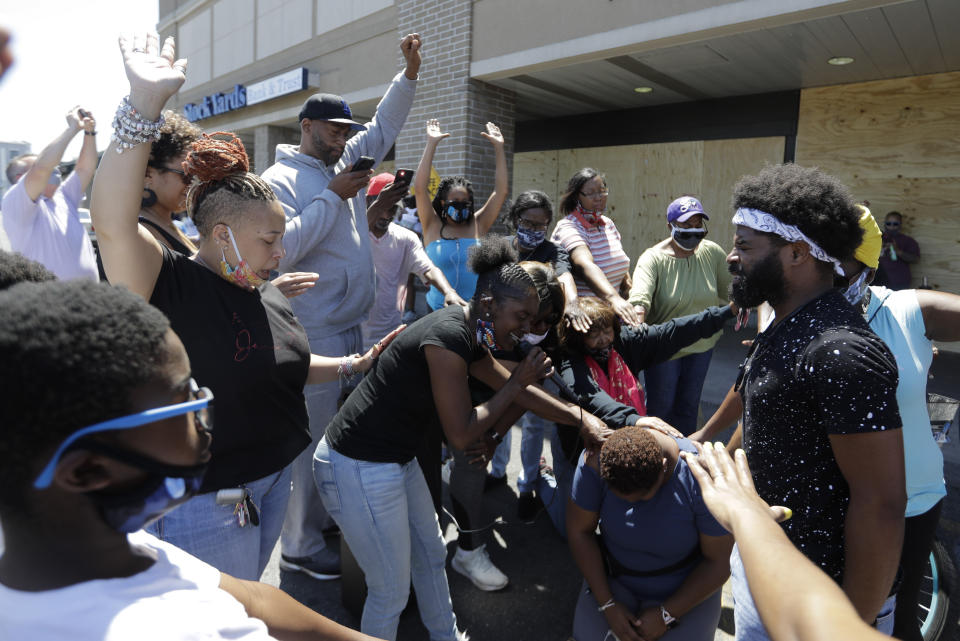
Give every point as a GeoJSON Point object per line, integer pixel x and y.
{"type": "Point", "coordinates": [538, 603]}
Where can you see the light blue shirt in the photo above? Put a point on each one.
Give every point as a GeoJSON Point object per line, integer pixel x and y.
{"type": "Point", "coordinates": [896, 318]}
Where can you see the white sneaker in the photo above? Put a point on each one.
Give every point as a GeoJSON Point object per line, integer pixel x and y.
{"type": "Point", "coordinates": [476, 566]}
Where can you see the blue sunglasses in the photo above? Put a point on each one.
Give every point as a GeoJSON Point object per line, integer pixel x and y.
{"type": "Point", "coordinates": [203, 398]}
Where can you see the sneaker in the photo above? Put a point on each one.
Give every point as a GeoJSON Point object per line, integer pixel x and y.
{"type": "Point", "coordinates": [476, 566]}
{"type": "Point", "coordinates": [492, 482]}
{"type": "Point", "coordinates": [527, 506]}
{"type": "Point", "coordinates": [323, 567]}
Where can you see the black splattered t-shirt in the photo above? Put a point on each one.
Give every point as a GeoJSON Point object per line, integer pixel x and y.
{"type": "Point", "coordinates": [818, 372]}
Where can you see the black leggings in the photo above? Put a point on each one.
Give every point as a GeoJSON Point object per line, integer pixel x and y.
{"type": "Point", "coordinates": [918, 535]}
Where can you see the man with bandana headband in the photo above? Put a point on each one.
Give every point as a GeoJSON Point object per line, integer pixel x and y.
{"type": "Point", "coordinates": [40, 214]}
{"type": "Point", "coordinates": [821, 424]}
{"type": "Point", "coordinates": [103, 432]}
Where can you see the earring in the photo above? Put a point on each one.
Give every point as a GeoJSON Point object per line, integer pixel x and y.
{"type": "Point", "coordinates": [149, 198]}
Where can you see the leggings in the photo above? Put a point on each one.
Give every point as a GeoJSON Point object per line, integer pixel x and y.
{"type": "Point", "coordinates": [918, 535]}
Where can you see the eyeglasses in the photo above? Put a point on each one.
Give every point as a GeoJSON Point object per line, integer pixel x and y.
{"type": "Point", "coordinates": [183, 175]}
{"type": "Point", "coordinates": [596, 194]}
{"type": "Point", "coordinates": [200, 406]}
{"type": "Point", "coordinates": [532, 226]}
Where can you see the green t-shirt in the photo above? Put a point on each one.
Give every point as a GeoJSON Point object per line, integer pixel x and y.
{"type": "Point", "coordinates": [668, 287]}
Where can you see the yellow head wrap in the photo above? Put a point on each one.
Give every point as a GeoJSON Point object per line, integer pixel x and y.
{"type": "Point", "coordinates": [868, 252]}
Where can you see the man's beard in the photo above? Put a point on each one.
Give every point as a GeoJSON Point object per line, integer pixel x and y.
{"type": "Point", "coordinates": [764, 283]}
{"type": "Point", "coordinates": [328, 155]}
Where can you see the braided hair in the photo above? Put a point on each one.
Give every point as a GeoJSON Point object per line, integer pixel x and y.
{"type": "Point", "coordinates": [498, 273]}
{"type": "Point", "coordinates": [224, 184]}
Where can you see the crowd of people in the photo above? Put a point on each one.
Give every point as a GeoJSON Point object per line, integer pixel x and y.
{"type": "Point", "coordinates": [252, 384]}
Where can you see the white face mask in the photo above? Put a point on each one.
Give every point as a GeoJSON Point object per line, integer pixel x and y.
{"type": "Point", "coordinates": [854, 293]}
{"type": "Point", "coordinates": [535, 339]}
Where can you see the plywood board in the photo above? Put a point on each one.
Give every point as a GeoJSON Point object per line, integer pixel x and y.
{"type": "Point", "coordinates": [644, 179]}
{"type": "Point", "coordinates": [724, 162]}
{"type": "Point", "coordinates": [895, 143]}
{"type": "Point", "coordinates": [889, 128]}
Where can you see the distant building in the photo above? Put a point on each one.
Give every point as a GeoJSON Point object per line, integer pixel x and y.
{"type": "Point", "coordinates": [9, 151]}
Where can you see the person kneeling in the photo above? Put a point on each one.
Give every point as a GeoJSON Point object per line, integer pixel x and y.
{"type": "Point", "coordinates": [661, 558]}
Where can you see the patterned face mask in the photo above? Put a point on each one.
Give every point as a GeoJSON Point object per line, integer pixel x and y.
{"type": "Point", "coordinates": [242, 274]}
{"type": "Point", "coordinates": [530, 239]}
{"type": "Point", "coordinates": [485, 334]}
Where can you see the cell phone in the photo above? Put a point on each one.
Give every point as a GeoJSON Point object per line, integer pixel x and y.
{"type": "Point", "coordinates": [83, 113]}
{"type": "Point", "coordinates": [404, 176]}
{"type": "Point", "coordinates": [363, 163]}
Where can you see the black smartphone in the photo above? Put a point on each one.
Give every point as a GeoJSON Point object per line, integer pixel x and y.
{"type": "Point", "coordinates": [83, 113]}
{"type": "Point", "coordinates": [363, 163]}
{"type": "Point", "coordinates": [404, 176]}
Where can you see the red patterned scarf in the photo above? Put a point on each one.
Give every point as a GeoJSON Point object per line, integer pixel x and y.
{"type": "Point", "coordinates": [588, 218]}
{"type": "Point", "coordinates": [618, 381]}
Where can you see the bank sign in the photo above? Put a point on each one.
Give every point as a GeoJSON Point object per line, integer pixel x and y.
{"type": "Point", "coordinates": [242, 96]}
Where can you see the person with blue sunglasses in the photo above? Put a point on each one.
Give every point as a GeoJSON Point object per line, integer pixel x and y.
{"type": "Point", "coordinates": [105, 430]}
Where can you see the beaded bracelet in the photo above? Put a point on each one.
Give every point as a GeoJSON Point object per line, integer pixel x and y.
{"type": "Point", "coordinates": [345, 368]}
{"type": "Point", "coordinates": [130, 128]}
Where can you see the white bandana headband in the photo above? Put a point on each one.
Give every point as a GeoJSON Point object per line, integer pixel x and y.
{"type": "Point", "coordinates": [762, 221]}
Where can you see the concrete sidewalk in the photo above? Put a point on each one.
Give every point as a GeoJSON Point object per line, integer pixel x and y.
{"type": "Point", "coordinates": [538, 604]}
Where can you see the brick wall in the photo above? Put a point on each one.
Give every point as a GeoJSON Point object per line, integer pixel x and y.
{"type": "Point", "coordinates": [446, 92]}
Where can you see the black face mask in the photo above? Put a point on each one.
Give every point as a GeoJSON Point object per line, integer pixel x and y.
{"type": "Point", "coordinates": [166, 487]}
{"type": "Point", "coordinates": [688, 238]}
{"type": "Point", "coordinates": [457, 212]}
{"type": "Point", "coordinates": [600, 355]}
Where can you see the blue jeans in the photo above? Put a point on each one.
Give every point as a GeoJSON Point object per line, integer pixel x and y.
{"type": "Point", "coordinates": [674, 387]}
{"type": "Point", "coordinates": [699, 624]}
{"type": "Point", "coordinates": [535, 429]}
{"type": "Point", "coordinates": [555, 492]}
{"type": "Point", "coordinates": [211, 533]}
{"type": "Point", "coordinates": [501, 456]}
{"type": "Point", "coordinates": [386, 516]}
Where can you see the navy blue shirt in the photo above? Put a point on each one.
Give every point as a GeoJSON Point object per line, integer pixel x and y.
{"type": "Point", "coordinates": [653, 534]}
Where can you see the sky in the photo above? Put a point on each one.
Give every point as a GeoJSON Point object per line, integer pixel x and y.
{"type": "Point", "coordinates": [66, 54]}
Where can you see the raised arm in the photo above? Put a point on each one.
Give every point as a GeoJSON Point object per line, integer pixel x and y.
{"type": "Point", "coordinates": [87, 160]}
{"type": "Point", "coordinates": [131, 255]}
{"type": "Point", "coordinates": [729, 412]}
{"type": "Point", "coordinates": [487, 215]}
{"type": "Point", "coordinates": [35, 180]}
{"type": "Point", "coordinates": [421, 183]}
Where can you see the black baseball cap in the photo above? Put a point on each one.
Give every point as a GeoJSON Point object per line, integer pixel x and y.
{"type": "Point", "coordinates": [329, 107]}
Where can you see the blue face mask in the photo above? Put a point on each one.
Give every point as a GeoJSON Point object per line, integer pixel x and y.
{"type": "Point", "coordinates": [530, 239]}
{"type": "Point", "coordinates": [457, 212]}
{"type": "Point", "coordinates": [166, 487]}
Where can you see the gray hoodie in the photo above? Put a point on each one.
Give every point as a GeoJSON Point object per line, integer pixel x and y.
{"type": "Point", "coordinates": [327, 235]}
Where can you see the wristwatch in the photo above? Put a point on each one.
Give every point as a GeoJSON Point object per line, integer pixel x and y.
{"type": "Point", "coordinates": [496, 437]}
{"type": "Point", "coordinates": [668, 619]}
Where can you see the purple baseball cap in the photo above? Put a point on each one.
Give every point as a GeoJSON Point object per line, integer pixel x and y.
{"type": "Point", "coordinates": [683, 208]}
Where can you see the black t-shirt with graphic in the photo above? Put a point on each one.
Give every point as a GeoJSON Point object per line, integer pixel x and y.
{"type": "Point", "coordinates": [816, 373]}
{"type": "Point", "coordinates": [386, 417]}
{"type": "Point", "coordinates": [253, 354]}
